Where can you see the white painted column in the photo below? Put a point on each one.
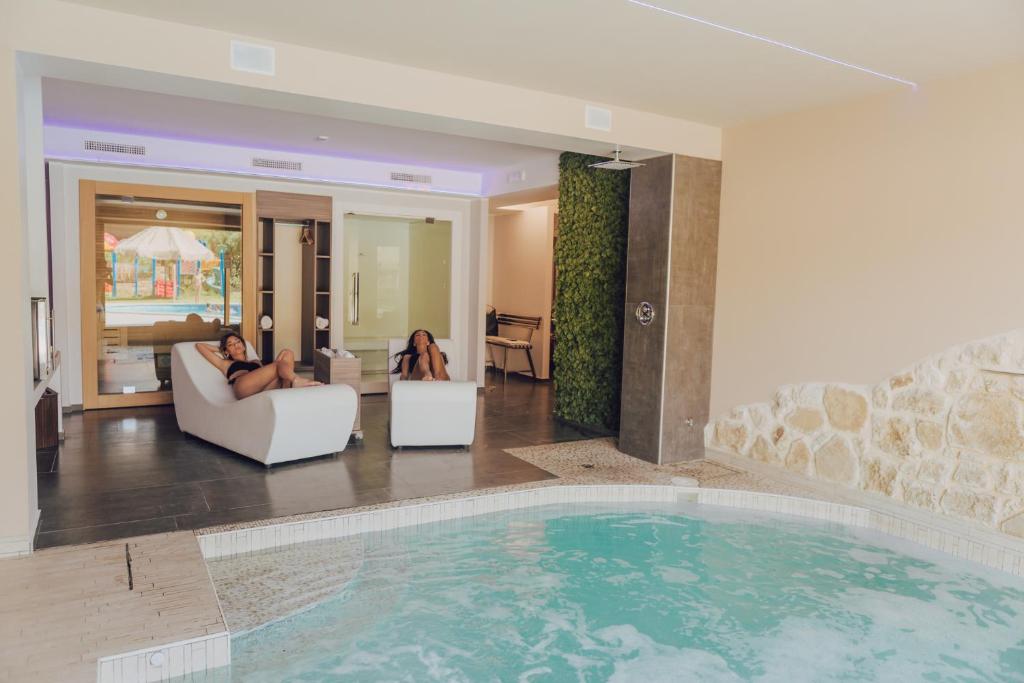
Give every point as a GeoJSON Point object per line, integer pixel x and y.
{"type": "Point", "coordinates": [18, 499]}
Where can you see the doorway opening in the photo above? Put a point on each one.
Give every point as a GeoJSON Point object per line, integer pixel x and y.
{"type": "Point", "coordinates": [523, 280]}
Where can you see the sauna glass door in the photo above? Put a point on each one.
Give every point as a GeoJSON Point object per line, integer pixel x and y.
{"type": "Point", "coordinates": [164, 270]}
{"type": "Point", "coordinates": [397, 280]}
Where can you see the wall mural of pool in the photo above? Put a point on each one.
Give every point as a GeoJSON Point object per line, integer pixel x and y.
{"type": "Point", "coordinates": [648, 592]}
{"type": "Point", "coordinates": [125, 313]}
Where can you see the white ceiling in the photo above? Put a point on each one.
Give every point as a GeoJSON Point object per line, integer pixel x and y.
{"type": "Point", "coordinates": [96, 107]}
{"type": "Point", "coordinates": [616, 52]}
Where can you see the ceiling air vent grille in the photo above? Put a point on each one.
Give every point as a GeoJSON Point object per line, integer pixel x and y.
{"type": "Point", "coordinates": [411, 178]}
{"type": "Point", "coordinates": [115, 147]}
{"type": "Point", "coordinates": [283, 164]}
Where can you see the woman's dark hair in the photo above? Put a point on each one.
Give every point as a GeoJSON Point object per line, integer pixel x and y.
{"type": "Point", "coordinates": [410, 350]}
{"type": "Point", "coordinates": [226, 338]}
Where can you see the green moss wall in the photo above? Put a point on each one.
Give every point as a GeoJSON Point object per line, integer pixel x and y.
{"type": "Point", "coordinates": [590, 258]}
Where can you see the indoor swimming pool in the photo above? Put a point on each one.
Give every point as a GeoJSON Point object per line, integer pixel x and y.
{"type": "Point", "coordinates": [651, 592]}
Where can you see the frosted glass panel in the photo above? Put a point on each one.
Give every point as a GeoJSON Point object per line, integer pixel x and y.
{"type": "Point", "coordinates": [398, 279]}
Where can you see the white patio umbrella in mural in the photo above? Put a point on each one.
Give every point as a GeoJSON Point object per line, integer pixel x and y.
{"type": "Point", "coordinates": [162, 243]}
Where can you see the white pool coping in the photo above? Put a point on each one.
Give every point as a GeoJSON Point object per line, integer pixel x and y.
{"type": "Point", "coordinates": [937, 533]}
{"type": "Point", "coordinates": [192, 656]}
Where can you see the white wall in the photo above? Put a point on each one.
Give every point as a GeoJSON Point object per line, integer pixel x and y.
{"type": "Point", "coordinates": [463, 213]}
{"type": "Point", "coordinates": [857, 239]}
{"type": "Point", "coordinates": [20, 187]}
{"type": "Point", "coordinates": [287, 289]}
{"type": "Point", "coordinates": [522, 276]}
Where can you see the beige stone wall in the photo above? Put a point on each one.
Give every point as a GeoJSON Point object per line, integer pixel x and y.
{"type": "Point", "coordinates": [945, 435]}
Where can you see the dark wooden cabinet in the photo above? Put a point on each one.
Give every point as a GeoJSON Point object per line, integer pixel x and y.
{"type": "Point", "coordinates": [46, 420]}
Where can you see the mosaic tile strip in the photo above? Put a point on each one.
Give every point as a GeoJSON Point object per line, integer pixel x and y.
{"type": "Point", "coordinates": [938, 535]}
{"type": "Point", "coordinates": [165, 662]}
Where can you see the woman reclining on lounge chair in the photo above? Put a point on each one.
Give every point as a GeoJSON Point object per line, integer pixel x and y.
{"type": "Point", "coordinates": [421, 359]}
{"type": "Point", "coordinates": [251, 377]}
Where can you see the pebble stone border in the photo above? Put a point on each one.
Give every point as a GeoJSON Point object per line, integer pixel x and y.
{"type": "Point", "coordinates": [214, 651]}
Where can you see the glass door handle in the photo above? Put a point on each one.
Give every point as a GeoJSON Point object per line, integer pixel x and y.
{"type": "Point", "coordinates": [354, 317]}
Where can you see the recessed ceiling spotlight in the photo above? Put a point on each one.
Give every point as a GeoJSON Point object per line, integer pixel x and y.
{"type": "Point", "coordinates": [322, 138]}
{"type": "Point", "coordinates": [770, 41]}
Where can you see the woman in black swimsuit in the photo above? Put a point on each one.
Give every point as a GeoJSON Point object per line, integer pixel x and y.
{"type": "Point", "coordinates": [251, 377]}
{"type": "Point", "coordinates": [422, 359]}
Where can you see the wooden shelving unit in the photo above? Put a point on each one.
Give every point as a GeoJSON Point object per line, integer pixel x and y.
{"type": "Point", "coordinates": [322, 282]}
{"type": "Point", "coordinates": [265, 283]}
{"type": "Point", "coordinates": [314, 213]}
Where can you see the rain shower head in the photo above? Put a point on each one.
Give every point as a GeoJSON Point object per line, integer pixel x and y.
{"type": "Point", "coordinates": [616, 163]}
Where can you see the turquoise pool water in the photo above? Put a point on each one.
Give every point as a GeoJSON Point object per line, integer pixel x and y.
{"type": "Point", "coordinates": [172, 308]}
{"type": "Point", "coordinates": [652, 593]}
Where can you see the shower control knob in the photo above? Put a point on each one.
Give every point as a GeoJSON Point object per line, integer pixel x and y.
{"type": "Point", "coordinates": [645, 313]}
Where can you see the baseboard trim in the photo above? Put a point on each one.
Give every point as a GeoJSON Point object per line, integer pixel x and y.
{"type": "Point", "coordinates": [15, 546]}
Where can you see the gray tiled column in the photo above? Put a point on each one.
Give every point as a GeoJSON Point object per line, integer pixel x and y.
{"type": "Point", "coordinates": [670, 263]}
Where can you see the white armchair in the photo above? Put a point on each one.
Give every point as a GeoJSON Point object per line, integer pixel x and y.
{"type": "Point", "coordinates": [430, 413]}
{"type": "Point", "coordinates": [271, 426]}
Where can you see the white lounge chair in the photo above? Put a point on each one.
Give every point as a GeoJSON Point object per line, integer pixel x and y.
{"type": "Point", "coordinates": [430, 413]}
{"type": "Point", "coordinates": [271, 426]}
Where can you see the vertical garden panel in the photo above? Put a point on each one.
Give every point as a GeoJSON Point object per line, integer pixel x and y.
{"type": "Point", "coordinates": [590, 257]}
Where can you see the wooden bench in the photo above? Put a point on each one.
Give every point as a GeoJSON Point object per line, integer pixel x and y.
{"type": "Point", "coordinates": [527, 322]}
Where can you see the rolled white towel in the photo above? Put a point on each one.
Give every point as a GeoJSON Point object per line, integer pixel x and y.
{"type": "Point", "coordinates": [266, 322]}
{"type": "Point", "coordinates": [321, 323]}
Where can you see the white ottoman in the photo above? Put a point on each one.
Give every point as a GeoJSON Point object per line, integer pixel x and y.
{"type": "Point", "coordinates": [433, 413]}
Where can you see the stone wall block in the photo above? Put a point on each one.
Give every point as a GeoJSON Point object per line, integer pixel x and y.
{"type": "Point", "coordinates": [988, 353]}
{"type": "Point", "coordinates": [990, 383]}
{"type": "Point", "coordinates": [782, 401]}
{"type": "Point", "coordinates": [836, 462]}
{"type": "Point", "coordinates": [798, 459]}
{"type": "Point", "coordinates": [920, 496]}
{"type": "Point", "coordinates": [979, 507]}
{"type": "Point", "coordinates": [927, 373]}
{"type": "Point", "coordinates": [1017, 387]}
{"type": "Point", "coordinates": [900, 381]}
{"type": "Point", "coordinates": [989, 423]}
{"type": "Point", "coordinates": [760, 414]}
{"type": "Point", "coordinates": [809, 394]}
{"type": "Point", "coordinates": [974, 474]}
{"type": "Point", "coordinates": [935, 471]}
{"type": "Point", "coordinates": [931, 435]}
{"type": "Point", "coordinates": [958, 380]}
{"type": "Point", "coordinates": [1010, 481]}
{"type": "Point", "coordinates": [847, 410]}
{"type": "Point", "coordinates": [731, 435]}
{"type": "Point", "coordinates": [878, 476]}
{"type": "Point", "coordinates": [922, 402]}
{"type": "Point", "coordinates": [763, 450]}
{"type": "Point", "coordinates": [806, 420]}
{"type": "Point", "coordinates": [1014, 525]}
{"type": "Point", "coordinates": [893, 436]}
{"type": "Point", "coordinates": [880, 397]}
